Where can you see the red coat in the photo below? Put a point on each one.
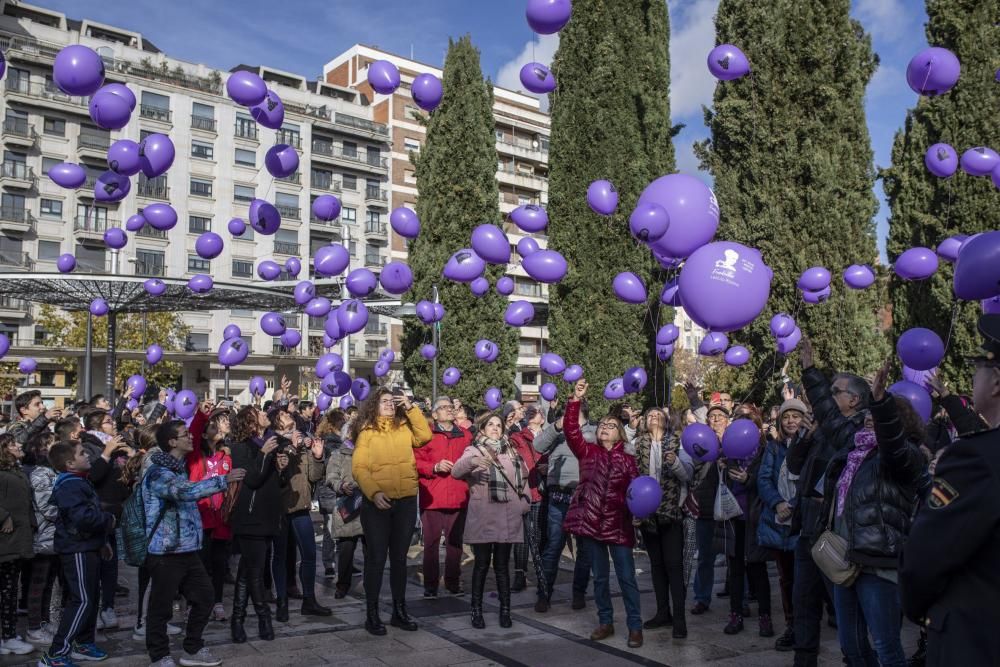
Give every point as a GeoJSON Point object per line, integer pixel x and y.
{"type": "Point", "coordinates": [204, 467]}
{"type": "Point", "coordinates": [439, 490]}
{"type": "Point", "coordinates": [598, 508]}
{"type": "Point", "coordinates": [522, 441]}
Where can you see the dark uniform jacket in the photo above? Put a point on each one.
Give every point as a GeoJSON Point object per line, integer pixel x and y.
{"type": "Point", "coordinates": [950, 571]}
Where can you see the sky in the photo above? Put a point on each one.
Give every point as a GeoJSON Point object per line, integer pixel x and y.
{"type": "Point", "coordinates": [301, 35]}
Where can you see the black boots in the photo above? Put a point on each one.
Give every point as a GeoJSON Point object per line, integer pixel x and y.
{"type": "Point", "coordinates": [239, 616]}
{"type": "Point", "coordinates": [310, 607]}
{"type": "Point", "coordinates": [373, 624]}
{"type": "Point", "coordinates": [478, 586]}
{"type": "Point", "coordinates": [264, 628]}
{"type": "Point", "coordinates": [503, 592]}
{"type": "Point", "coordinates": [400, 619]}
{"type": "Point", "coordinates": [520, 581]}
{"type": "Point", "coordinates": [281, 612]}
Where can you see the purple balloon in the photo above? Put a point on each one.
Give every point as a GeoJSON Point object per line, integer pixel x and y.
{"type": "Point", "coordinates": [670, 295]}
{"type": "Point", "coordinates": [160, 216]}
{"type": "Point", "coordinates": [428, 351]}
{"type": "Point", "coordinates": [293, 266]}
{"type": "Point", "coordinates": [737, 355]}
{"type": "Point", "coordinates": [233, 352]}
{"type": "Point", "coordinates": [545, 266]}
{"type": "Point", "coordinates": [916, 395]}
{"type": "Point", "coordinates": [573, 373]}
{"type": "Point", "coordinates": [273, 324]}
{"type": "Point", "coordinates": [451, 376]}
{"type": "Point", "coordinates": [991, 306]}
{"type": "Point", "coordinates": [490, 243]}
{"type": "Point", "coordinates": [727, 63]}
{"type": "Point", "coordinates": [383, 77]}
{"type": "Point", "coordinates": [135, 222]}
{"type": "Point", "coordinates": [324, 402]}
{"type": "Point", "coordinates": [819, 296]}
{"type": "Point", "coordinates": [209, 245]}
{"type": "Point", "coordinates": [916, 264]}
{"type": "Point", "coordinates": [264, 217]}
{"type": "Point", "coordinates": [268, 270]}
{"type": "Point", "coordinates": [949, 248]}
{"type": "Point", "coordinates": [327, 363]}
{"type": "Point", "coordinates": [331, 260]}
{"type": "Point", "coordinates": [724, 286]}
{"type": "Point", "coordinates": [246, 88]}
{"type": "Point", "coordinates": [258, 386]}
{"type": "Point", "coordinates": [519, 313]}
{"type": "Point", "coordinates": [602, 198]}
{"type": "Point", "coordinates": [537, 78]}
{"type": "Point", "coordinates": [464, 266]}
{"type": "Point", "coordinates": [115, 237]}
{"type": "Point", "coordinates": [396, 277]}
{"type": "Point", "coordinates": [110, 111]}
{"type": "Point", "coordinates": [977, 269]}
{"type": "Point", "coordinates": [859, 276]}
{"type": "Point", "coordinates": [67, 175]}
{"type": "Point", "coordinates": [154, 286]}
{"type": "Point", "coordinates": [327, 341]}
{"type": "Point", "coordinates": [153, 354]}
{"type": "Point", "coordinates": [920, 349]}
{"type": "Point", "coordinates": [667, 334]}
{"type": "Point", "coordinates": [156, 154]}
{"type": "Point", "coordinates": [123, 157]}
{"type": "Point", "coordinates": [786, 344]}
{"type": "Point", "coordinates": [643, 496]}
{"type": "Point", "coordinates": [201, 283]}
{"type": "Point", "coordinates": [348, 400]}
{"type": "Point", "coordinates": [665, 260]}
{"type": "Point", "coordinates": [438, 312]}
{"type": "Point", "coordinates": [270, 112]}
{"type": "Point", "coordinates": [547, 17]}
{"type": "Point", "coordinates": [318, 307]}
{"type": "Point", "coordinates": [427, 91]}
{"type": "Point", "coordinates": [236, 227]}
{"type": "Point", "coordinates": [815, 279]}
{"type": "Point", "coordinates": [99, 307]}
{"type": "Point", "coordinates": [714, 342]}
{"type": "Point", "coordinates": [979, 161]}
{"type": "Point", "coordinates": [425, 311]}
{"type": "Point", "coordinates": [361, 282]}
{"type": "Point", "coordinates": [303, 292]}
{"type": "Point", "coordinates": [78, 70]}
{"type": "Point", "coordinates": [27, 366]}
{"type": "Point", "coordinates": [700, 442]}
{"type": "Point", "coordinates": [505, 286]}
{"type": "Point", "coordinates": [649, 222]}
{"type": "Point", "coordinates": [614, 389]}
{"type": "Point", "coordinates": [352, 316]}
{"type": "Point", "coordinates": [121, 90]}
{"type": "Point", "coordinates": [530, 218]}
{"type": "Point", "coordinates": [493, 398]}
{"type": "Point", "coordinates": [526, 246]}
{"type": "Point", "coordinates": [484, 349]}
{"type": "Point", "coordinates": [548, 391]}
{"type": "Point", "coordinates": [4, 340]}
{"type": "Point", "coordinates": [332, 328]}
{"type": "Point", "coordinates": [629, 288]}
{"type": "Point", "coordinates": [66, 263]}
{"type": "Point", "coordinates": [933, 71]}
{"type": "Point", "coordinates": [336, 383]}
{"type": "Point", "coordinates": [360, 389]}
{"type": "Point", "coordinates": [404, 221]}
{"type": "Point", "coordinates": [325, 207]}
{"type": "Point", "coordinates": [111, 187]}
{"type": "Point", "coordinates": [552, 363]}
{"type": "Point", "coordinates": [291, 339]}
{"type": "Point", "coordinates": [740, 439]}
{"type": "Point", "coordinates": [634, 379]}
{"type": "Point", "coordinates": [480, 286]}
{"type": "Point", "coordinates": [782, 325]}
{"type": "Point", "coordinates": [387, 355]}
{"type": "Point", "coordinates": [941, 160]}
{"type": "Point", "coordinates": [231, 331]}
{"type": "Point", "coordinates": [281, 160]}
{"type": "Point", "coordinates": [693, 212]}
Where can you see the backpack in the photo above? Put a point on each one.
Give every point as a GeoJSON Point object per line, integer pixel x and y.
{"type": "Point", "coordinates": [133, 526]}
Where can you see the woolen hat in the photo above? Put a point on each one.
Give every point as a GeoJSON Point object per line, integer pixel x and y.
{"type": "Point", "coordinates": [792, 404]}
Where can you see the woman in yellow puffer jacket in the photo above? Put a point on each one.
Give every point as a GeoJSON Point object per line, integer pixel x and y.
{"type": "Point", "coordinates": [385, 432]}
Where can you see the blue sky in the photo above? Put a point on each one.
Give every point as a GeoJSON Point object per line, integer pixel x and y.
{"type": "Point", "coordinates": [300, 36]}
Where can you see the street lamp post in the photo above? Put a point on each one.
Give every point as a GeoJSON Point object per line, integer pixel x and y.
{"type": "Point", "coordinates": [434, 362]}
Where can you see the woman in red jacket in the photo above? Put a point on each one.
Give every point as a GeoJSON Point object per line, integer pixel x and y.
{"type": "Point", "coordinates": [599, 516]}
{"type": "Point", "coordinates": [535, 466]}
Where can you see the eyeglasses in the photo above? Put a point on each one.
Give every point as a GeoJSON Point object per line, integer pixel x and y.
{"type": "Point", "coordinates": [610, 425]}
{"type": "Point", "coordinates": [385, 402]}
{"type": "Point", "coordinates": [837, 391]}
{"type": "Point", "coordinates": [717, 416]}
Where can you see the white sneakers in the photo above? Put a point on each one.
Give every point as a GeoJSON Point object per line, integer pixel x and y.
{"type": "Point", "coordinates": [202, 658]}
{"type": "Point", "coordinates": [15, 645]}
{"type": "Point", "coordinates": [41, 636]}
{"type": "Point", "coordinates": [107, 619]}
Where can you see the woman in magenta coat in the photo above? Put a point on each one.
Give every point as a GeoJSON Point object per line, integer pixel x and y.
{"type": "Point", "coordinates": [599, 516]}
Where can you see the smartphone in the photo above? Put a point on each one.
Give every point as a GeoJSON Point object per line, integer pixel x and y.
{"type": "Point", "coordinates": [398, 391]}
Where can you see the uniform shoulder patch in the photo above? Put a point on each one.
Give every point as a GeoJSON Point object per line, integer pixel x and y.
{"type": "Point", "coordinates": [942, 494]}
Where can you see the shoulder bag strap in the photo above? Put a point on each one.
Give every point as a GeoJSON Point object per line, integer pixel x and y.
{"type": "Point", "coordinates": [496, 462]}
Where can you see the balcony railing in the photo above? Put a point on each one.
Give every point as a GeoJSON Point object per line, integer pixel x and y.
{"type": "Point", "coordinates": [98, 142]}
{"type": "Point", "coordinates": [16, 259]}
{"type": "Point", "coordinates": [143, 268]}
{"type": "Point", "coordinates": [237, 197]}
{"type": "Point", "coordinates": [246, 131]}
{"type": "Point", "coordinates": [18, 170]}
{"type": "Point", "coordinates": [317, 322]}
{"type": "Point", "coordinates": [325, 183]}
{"type": "Point", "coordinates": [352, 155]}
{"type": "Point", "coordinates": [286, 248]}
{"type": "Point", "coordinates": [154, 113]}
{"type": "Point", "coordinates": [19, 127]}
{"type": "Point", "coordinates": [293, 139]}
{"type": "Point", "coordinates": [202, 123]}
{"type": "Point", "coordinates": [18, 215]}
{"type": "Point", "coordinates": [288, 211]}
{"type": "Point", "coordinates": [379, 330]}
{"type": "Point", "coordinates": [22, 86]}
{"type": "Point", "coordinates": [360, 124]}
{"type": "Point", "coordinates": [153, 189]}
{"type": "Point", "coordinates": [376, 194]}
{"type": "Point", "coordinates": [150, 232]}
{"type": "Point", "coordinates": [12, 303]}
{"type": "Point", "coordinates": [291, 178]}
{"type": "Point", "coordinates": [86, 223]}
{"type": "Point", "coordinates": [376, 228]}
{"type": "Point", "coordinates": [374, 260]}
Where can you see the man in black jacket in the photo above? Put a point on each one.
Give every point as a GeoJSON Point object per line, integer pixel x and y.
{"type": "Point", "coordinates": [838, 412]}
{"type": "Point", "coordinates": [949, 580]}
{"type": "Point", "coordinates": [33, 418]}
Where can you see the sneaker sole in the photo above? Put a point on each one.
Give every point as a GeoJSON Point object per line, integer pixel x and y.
{"type": "Point", "coordinates": [87, 658]}
{"type": "Point", "coordinates": [10, 651]}
{"type": "Point", "coordinates": [186, 662]}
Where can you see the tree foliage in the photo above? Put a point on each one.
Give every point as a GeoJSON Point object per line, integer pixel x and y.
{"type": "Point", "coordinates": [456, 175]}
{"type": "Point", "coordinates": [69, 330]}
{"type": "Point", "coordinates": [926, 209]}
{"type": "Point", "coordinates": [792, 162]}
{"type": "Point", "coordinates": [610, 120]}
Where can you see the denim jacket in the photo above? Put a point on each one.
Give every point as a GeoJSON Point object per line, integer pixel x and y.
{"type": "Point", "coordinates": [180, 530]}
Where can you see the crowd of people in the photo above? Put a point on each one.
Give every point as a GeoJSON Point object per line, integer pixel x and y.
{"type": "Point", "coordinates": [843, 472]}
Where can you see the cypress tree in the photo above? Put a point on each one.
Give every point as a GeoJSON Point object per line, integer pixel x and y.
{"type": "Point", "coordinates": [792, 162]}
{"type": "Point", "coordinates": [456, 175]}
{"type": "Point", "coordinates": [926, 209]}
{"type": "Point", "coordinates": [610, 120]}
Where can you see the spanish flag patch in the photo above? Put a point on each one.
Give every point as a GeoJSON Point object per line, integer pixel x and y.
{"type": "Point", "coordinates": [942, 494]}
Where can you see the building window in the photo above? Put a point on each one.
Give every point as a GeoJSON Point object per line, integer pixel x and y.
{"type": "Point", "coordinates": [47, 162]}
{"type": "Point", "coordinates": [373, 217]}
{"type": "Point", "coordinates": [243, 269]}
{"type": "Point", "coordinates": [40, 335]}
{"type": "Point", "coordinates": [350, 182]}
{"type": "Point", "coordinates": [244, 193]}
{"type": "Point", "coordinates": [353, 248]}
{"type": "Point", "coordinates": [198, 224]}
{"type": "Point", "coordinates": [203, 117]}
{"type": "Point", "coordinates": [54, 127]}
{"type": "Point", "coordinates": [529, 378]}
{"type": "Point", "coordinates": [155, 106]}
{"type": "Point", "coordinates": [148, 263]}
{"type": "Point", "coordinates": [350, 149]}
{"type": "Point", "coordinates": [289, 134]}
{"type": "Point", "coordinates": [349, 215]}
{"type": "Point", "coordinates": [499, 134]}
{"type": "Point", "coordinates": [198, 265]}
{"type": "Point", "coordinates": [528, 288]}
{"type": "Point", "coordinates": [411, 144]}
{"type": "Point", "coordinates": [202, 150]}
{"type": "Point", "coordinates": [90, 259]}
{"type": "Point", "coordinates": [49, 250]}
{"type": "Point", "coordinates": [196, 342]}
{"type": "Point", "coordinates": [527, 347]}
{"type": "Point", "coordinates": [201, 188]}
{"type": "Point", "coordinates": [246, 127]}
{"type": "Point", "coordinates": [246, 158]}
{"type": "Point", "coordinates": [52, 208]}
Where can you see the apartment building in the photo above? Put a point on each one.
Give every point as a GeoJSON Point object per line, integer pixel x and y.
{"type": "Point", "coordinates": [522, 142]}
{"type": "Point", "coordinates": [344, 149]}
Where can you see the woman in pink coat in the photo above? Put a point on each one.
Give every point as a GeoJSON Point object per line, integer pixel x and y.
{"type": "Point", "coordinates": [498, 487]}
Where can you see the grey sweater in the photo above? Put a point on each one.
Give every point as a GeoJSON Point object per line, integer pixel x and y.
{"type": "Point", "coordinates": [564, 469]}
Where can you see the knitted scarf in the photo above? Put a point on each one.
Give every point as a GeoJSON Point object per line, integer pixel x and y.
{"type": "Point", "coordinates": [864, 442]}
{"type": "Point", "coordinates": [172, 464]}
{"type": "Point", "coordinates": [498, 485]}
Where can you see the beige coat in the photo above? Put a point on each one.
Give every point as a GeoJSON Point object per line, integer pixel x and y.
{"type": "Point", "coordinates": [304, 470]}
{"type": "Point", "coordinates": [338, 472]}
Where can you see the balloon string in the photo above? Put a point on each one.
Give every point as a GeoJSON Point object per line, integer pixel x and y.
{"type": "Point", "coordinates": [951, 326]}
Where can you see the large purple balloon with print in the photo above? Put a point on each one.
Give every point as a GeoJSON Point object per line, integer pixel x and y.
{"type": "Point", "coordinates": [464, 266]}
{"type": "Point", "coordinates": [724, 286]}
{"type": "Point", "coordinates": [264, 217]}
{"type": "Point", "coordinates": [156, 154]}
{"type": "Point", "coordinates": [545, 266]}
{"type": "Point", "coordinates": [933, 71]}
{"type": "Point", "coordinates": [352, 316]}
{"type": "Point", "coordinates": [270, 112]}
{"type": "Point", "coordinates": [693, 212]}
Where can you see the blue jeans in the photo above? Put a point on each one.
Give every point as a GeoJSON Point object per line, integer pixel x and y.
{"type": "Point", "coordinates": [704, 574]}
{"type": "Point", "coordinates": [625, 571]}
{"type": "Point", "coordinates": [301, 525]}
{"type": "Point", "coordinates": [871, 604]}
{"type": "Point", "coordinates": [554, 547]}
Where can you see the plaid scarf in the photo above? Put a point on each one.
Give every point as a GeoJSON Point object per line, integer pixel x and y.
{"type": "Point", "coordinates": [498, 484]}
{"type": "Point", "coordinates": [864, 442]}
